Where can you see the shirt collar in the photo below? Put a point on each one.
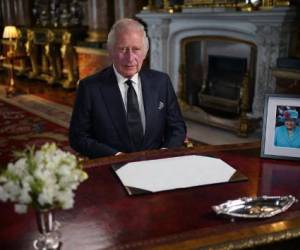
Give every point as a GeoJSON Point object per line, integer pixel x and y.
{"type": "Point", "coordinates": [122, 79]}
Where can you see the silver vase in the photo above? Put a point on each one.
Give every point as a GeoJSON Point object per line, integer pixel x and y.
{"type": "Point", "coordinates": [49, 235]}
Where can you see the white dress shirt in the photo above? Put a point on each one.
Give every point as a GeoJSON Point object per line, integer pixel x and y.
{"type": "Point", "coordinates": [137, 85]}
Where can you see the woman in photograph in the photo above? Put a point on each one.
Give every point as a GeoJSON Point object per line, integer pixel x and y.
{"type": "Point", "coordinates": [288, 135]}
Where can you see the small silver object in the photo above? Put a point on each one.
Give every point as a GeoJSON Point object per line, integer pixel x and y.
{"type": "Point", "coordinates": [255, 207]}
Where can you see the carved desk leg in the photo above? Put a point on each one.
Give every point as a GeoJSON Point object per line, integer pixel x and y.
{"type": "Point", "coordinates": [70, 61]}
{"type": "Point", "coordinates": [21, 50]}
{"type": "Point", "coordinates": [53, 57]}
{"type": "Point", "coordinates": [32, 52]}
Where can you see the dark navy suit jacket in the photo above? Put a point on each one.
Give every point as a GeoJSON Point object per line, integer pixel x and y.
{"type": "Point", "coordinates": [98, 125]}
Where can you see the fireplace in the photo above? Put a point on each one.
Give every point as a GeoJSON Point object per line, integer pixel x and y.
{"type": "Point", "coordinates": [212, 74]}
{"type": "Point", "coordinates": [259, 36]}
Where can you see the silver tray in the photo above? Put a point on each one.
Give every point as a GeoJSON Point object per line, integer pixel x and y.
{"type": "Point", "coordinates": [257, 207]}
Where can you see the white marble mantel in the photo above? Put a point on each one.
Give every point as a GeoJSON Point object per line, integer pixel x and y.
{"type": "Point", "coordinates": [270, 31]}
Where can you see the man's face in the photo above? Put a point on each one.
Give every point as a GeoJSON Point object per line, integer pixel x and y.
{"type": "Point", "coordinates": [128, 52]}
{"type": "Point", "coordinates": [290, 124]}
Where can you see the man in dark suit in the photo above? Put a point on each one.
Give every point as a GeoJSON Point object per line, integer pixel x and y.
{"type": "Point", "coordinates": [123, 108]}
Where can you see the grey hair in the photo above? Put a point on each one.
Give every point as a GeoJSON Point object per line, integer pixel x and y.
{"type": "Point", "coordinates": [123, 25]}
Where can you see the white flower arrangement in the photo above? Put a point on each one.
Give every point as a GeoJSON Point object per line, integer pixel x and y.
{"type": "Point", "coordinates": [43, 179]}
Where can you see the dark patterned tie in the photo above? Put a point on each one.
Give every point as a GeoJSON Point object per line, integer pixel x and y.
{"type": "Point", "coordinates": [133, 117]}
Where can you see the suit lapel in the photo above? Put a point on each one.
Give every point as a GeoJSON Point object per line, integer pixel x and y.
{"type": "Point", "coordinates": [115, 106]}
{"type": "Point", "coordinates": [149, 103]}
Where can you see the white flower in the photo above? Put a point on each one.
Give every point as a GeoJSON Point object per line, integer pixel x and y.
{"type": "Point", "coordinates": [20, 208]}
{"type": "Point", "coordinates": [66, 198]}
{"type": "Point", "coordinates": [64, 170]}
{"type": "Point", "coordinates": [3, 194]}
{"type": "Point", "coordinates": [44, 179]}
{"type": "Point", "coordinates": [25, 197]}
{"type": "Point", "coordinates": [46, 197]}
{"type": "Point", "coordinates": [12, 190]}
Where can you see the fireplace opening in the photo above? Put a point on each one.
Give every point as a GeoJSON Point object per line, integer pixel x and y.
{"type": "Point", "coordinates": [224, 83]}
{"type": "Point", "coordinates": [218, 75]}
{"type": "Point", "coordinates": [225, 76]}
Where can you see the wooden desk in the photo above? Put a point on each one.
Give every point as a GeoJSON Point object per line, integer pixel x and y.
{"type": "Point", "coordinates": [105, 217]}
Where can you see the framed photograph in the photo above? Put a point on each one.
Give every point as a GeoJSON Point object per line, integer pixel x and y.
{"type": "Point", "coordinates": [281, 127]}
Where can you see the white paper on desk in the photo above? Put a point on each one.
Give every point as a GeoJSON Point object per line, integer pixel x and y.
{"type": "Point", "coordinates": [175, 172]}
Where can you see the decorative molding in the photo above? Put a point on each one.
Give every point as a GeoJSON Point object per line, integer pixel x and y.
{"type": "Point", "coordinates": [259, 240]}
{"type": "Point", "coordinates": [158, 34]}
{"type": "Point", "coordinates": [192, 241]}
{"type": "Point", "coordinates": [53, 13]}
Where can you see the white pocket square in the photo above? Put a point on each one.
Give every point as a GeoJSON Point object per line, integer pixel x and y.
{"type": "Point", "coordinates": [161, 105]}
